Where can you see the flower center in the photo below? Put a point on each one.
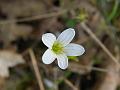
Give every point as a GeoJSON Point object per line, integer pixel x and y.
{"type": "Point", "coordinates": [57, 48]}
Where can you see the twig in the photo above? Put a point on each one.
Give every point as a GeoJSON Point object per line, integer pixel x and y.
{"type": "Point", "coordinates": [100, 69]}
{"type": "Point", "coordinates": [36, 17]}
{"type": "Point", "coordinates": [36, 69]}
{"type": "Point", "coordinates": [47, 15]}
{"type": "Point", "coordinates": [93, 36]}
{"type": "Point", "coordinates": [70, 84]}
{"type": "Point", "coordinates": [96, 69]}
{"type": "Point", "coordinates": [79, 67]}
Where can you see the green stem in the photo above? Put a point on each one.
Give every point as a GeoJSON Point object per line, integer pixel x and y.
{"type": "Point", "coordinates": [114, 10]}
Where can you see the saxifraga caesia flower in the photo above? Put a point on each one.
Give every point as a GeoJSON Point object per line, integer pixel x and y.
{"type": "Point", "coordinates": [59, 48]}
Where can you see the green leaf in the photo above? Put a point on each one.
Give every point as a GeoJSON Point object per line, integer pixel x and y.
{"type": "Point", "coordinates": [71, 22]}
{"type": "Point", "coordinates": [74, 58]}
{"type": "Point", "coordinates": [114, 11]}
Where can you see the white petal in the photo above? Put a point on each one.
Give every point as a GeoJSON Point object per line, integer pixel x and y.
{"type": "Point", "coordinates": [48, 57]}
{"type": "Point", "coordinates": [66, 36]}
{"type": "Point", "coordinates": [48, 39]}
{"type": "Point", "coordinates": [74, 50]}
{"type": "Point", "coordinates": [62, 61]}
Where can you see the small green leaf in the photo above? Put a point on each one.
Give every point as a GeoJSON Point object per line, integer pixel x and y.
{"type": "Point", "coordinates": [71, 22]}
{"type": "Point", "coordinates": [72, 57]}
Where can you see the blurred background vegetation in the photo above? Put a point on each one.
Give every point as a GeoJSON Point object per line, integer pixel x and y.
{"type": "Point", "coordinates": [22, 23]}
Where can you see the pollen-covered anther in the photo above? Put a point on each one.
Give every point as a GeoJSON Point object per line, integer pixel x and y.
{"type": "Point", "coordinates": [57, 48]}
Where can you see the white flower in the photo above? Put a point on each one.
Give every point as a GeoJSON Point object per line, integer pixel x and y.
{"type": "Point", "coordinates": [60, 48]}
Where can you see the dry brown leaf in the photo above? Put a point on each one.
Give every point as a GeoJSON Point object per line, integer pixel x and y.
{"type": "Point", "coordinates": [13, 31]}
{"type": "Point", "coordinates": [9, 59]}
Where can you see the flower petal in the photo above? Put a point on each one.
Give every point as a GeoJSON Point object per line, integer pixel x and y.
{"type": "Point", "coordinates": [62, 61]}
{"type": "Point", "coordinates": [66, 36]}
{"type": "Point", "coordinates": [74, 50]}
{"type": "Point", "coordinates": [48, 57]}
{"type": "Point", "coordinates": [48, 39]}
